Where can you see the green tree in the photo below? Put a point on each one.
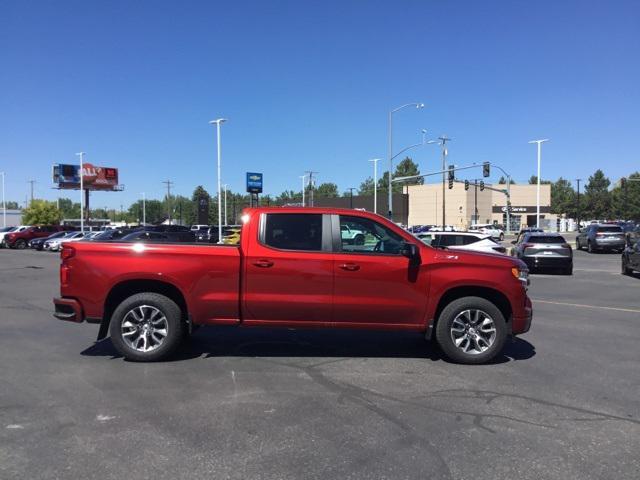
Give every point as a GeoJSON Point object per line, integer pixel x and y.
{"type": "Point", "coordinates": [563, 198]}
{"type": "Point", "coordinates": [597, 196]}
{"type": "Point", "coordinates": [625, 200]}
{"type": "Point", "coordinates": [69, 209]}
{"type": "Point", "coordinates": [405, 168]}
{"type": "Point", "coordinates": [326, 190]}
{"type": "Point", "coordinates": [12, 205]}
{"type": "Point", "coordinates": [41, 212]}
{"type": "Point", "coordinates": [366, 187]}
{"type": "Point", "coordinates": [503, 181]}
{"type": "Point", "coordinates": [533, 180]}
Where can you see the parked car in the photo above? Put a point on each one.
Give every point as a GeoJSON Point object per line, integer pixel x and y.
{"type": "Point", "coordinates": [474, 241]}
{"type": "Point", "coordinates": [631, 256]}
{"type": "Point", "coordinates": [489, 229]}
{"type": "Point", "coordinates": [174, 233]}
{"type": "Point", "coordinates": [601, 237]}
{"type": "Point", "coordinates": [7, 230]}
{"type": "Point", "coordinates": [197, 228]}
{"type": "Point", "coordinates": [145, 236]}
{"type": "Point", "coordinates": [110, 234]}
{"type": "Point", "coordinates": [38, 243]}
{"type": "Point", "coordinates": [55, 244]}
{"type": "Point", "coordinates": [20, 239]}
{"type": "Point", "coordinates": [544, 250]}
{"type": "Point", "coordinates": [351, 235]}
{"type": "Point", "coordinates": [293, 269]}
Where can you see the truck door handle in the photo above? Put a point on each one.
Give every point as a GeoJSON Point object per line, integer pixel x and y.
{"type": "Point", "coordinates": [351, 267]}
{"type": "Point", "coordinates": [263, 263]}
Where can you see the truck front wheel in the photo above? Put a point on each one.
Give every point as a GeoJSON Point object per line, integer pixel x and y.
{"type": "Point", "coordinates": [471, 330]}
{"type": "Point", "coordinates": [146, 327]}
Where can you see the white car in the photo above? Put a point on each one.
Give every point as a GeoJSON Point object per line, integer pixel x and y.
{"type": "Point", "coordinates": [55, 244]}
{"type": "Point", "coordinates": [488, 229]}
{"type": "Point", "coordinates": [12, 230]}
{"type": "Point", "coordinates": [474, 241]}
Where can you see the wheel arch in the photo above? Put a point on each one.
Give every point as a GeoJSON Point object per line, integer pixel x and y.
{"type": "Point", "coordinates": [496, 297]}
{"type": "Point", "coordinates": [127, 288]}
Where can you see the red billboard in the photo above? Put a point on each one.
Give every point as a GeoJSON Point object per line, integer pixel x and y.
{"type": "Point", "coordinates": [94, 178]}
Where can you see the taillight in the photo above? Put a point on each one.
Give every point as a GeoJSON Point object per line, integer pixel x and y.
{"type": "Point", "coordinates": [67, 252]}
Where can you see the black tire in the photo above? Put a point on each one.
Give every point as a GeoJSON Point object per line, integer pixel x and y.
{"type": "Point", "coordinates": [502, 237]}
{"type": "Point", "coordinates": [578, 246]}
{"type": "Point", "coordinates": [20, 244]}
{"type": "Point", "coordinates": [444, 327]}
{"type": "Point", "coordinates": [568, 270]}
{"type": "Point", "coordinates": [358, 240]}
{"type": "Point", "coordinates": [174, 327]}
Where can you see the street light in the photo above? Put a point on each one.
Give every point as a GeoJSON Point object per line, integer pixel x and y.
{"type": "Point", "coordinates": [303, 187]}
{"type": "Point", "coordinates": [144, 209]}
{"type": "Point", "coordinates": [225, 203]}
{"type": "Point", "coordinates": [375, 183]}
{"type": "Point", "coordinates": [390, 138]}
{"type": "Point", "coordinates": [4, 204]}
{"type": "Point", "coordinates": [81, 155]}
{"type": "Point", "coordinates": [218, 122]}
{"type": "Point", "coordinates": [539, 142]}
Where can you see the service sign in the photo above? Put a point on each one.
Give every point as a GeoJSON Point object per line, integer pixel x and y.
{"type": "Point", "coordinates": [254, 182]}
{"type": "Point", "coordinates": [67, 176]}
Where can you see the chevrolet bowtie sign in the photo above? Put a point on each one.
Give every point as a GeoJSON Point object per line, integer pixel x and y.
{"type": "Point", "coordinates": [254, 182]}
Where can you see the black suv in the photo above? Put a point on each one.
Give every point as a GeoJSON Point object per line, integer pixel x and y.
{"type": "Point", "coordinates": [601, 237]}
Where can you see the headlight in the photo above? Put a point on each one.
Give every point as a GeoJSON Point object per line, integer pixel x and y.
{"type": "Point", "coordinates": [521, 274]}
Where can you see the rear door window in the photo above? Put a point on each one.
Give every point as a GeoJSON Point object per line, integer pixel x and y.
{"type": "Point", "coordinates": [293, 231]}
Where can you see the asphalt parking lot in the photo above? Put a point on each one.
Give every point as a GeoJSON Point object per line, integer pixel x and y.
{"type": "Point", "coordinates": [562, 403]}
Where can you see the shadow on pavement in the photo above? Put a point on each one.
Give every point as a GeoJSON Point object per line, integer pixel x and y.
{"type": "Point", "coordinates": [212, 342]}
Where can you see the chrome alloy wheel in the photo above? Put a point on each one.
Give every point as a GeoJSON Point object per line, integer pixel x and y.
{"type": "Point", "coordinates": [473, 331]}
{"type": "Point", "coordinates": [144, 328]}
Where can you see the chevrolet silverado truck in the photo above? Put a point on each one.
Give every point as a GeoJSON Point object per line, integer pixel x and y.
{"type": "Point", "coordinates": [293, 268]}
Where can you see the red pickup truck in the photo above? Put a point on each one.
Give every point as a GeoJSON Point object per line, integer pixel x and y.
{"type": "Point", "coordinates": [293, 268]}
{"type": "Point", "coordinates": [21, 239]}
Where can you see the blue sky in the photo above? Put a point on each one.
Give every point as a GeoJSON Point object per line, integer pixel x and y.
{"type": "Point", "coordinates": [307, 85]}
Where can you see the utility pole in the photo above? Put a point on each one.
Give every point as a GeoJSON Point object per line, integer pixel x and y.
{"type": "Point", "coordinates": [168, 183]}
{"type": "Point", "coordinates": [310, 174]}
{"type": "Point", "coordinates": [475, 204]}
{"type": "Point", "coordinates": [578, 180]}
{"type": "Point", "coordinates": [351, 189]}
{"type": "Point", "coordinates": [31, 182]}
{"type": "Point", "coordinates": [443, 139]}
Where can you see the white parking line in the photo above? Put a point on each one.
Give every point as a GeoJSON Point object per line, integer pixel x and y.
{"type": "Point", "coordinates": [632, 310]}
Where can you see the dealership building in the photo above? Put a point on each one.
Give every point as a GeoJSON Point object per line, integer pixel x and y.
{"type": "Point", "coordinates": [425, 205]}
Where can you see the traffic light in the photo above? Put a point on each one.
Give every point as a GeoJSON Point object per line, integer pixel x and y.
{"type": "Point", "coordinates": [466, 184]}
{"type": "Point", "coordinates": [452, 176]}
{"type": "Point", "coordinates": [481, 185]}
{"type": "Point", "coordinates": [486, 169]}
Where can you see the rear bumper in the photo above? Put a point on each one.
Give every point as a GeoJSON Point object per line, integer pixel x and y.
{"type": "Point", "coordinates": [547, 262]}
{"type": "Point", "coordinates": [68, 309]}
{"type": "Point", "coordinates": [603, 245]}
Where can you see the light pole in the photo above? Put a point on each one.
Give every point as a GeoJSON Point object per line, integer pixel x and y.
{"type": "Point", "coordinates": [390, 139]}
{"type": "Point", "coordinates": [443, 139]}
{"type": "Point", "coordinates": [578, 203]}
{"type": "Point", "coordinates": [4, 204]}
{"type": "Point", "coordinates": [375, 184]}
{"type": "Point", "coordinates": [303, 187]}
{"type": "Point", "coordinates": [508, 196]}
{"type": "Point", "coordinates": [539, 142]}
{"type": "Point", "coordinates": [144, 209]}
{"type": "Point", "coordinates": [217, 123]}
{"type": "Point", "coordinates": [81, 155]}
{"type": "Point", "coordinates": [225, 204]}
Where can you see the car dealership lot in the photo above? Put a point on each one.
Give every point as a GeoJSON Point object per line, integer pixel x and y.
{"type": "Point", "coordinates": [564, 402]}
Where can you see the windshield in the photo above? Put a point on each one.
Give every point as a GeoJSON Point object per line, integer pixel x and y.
{"type": "Point", "coordinates": [546, 239]}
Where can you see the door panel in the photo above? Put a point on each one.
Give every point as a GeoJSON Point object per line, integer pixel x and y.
{"type": "Point", "coordinates": [289, 285]}
{"type": "Point", "coordinates": [375, 287]}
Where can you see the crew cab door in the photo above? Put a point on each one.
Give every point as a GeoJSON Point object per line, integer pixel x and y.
{"type": "Point", "coordinates": [288, 274]}
{"type": "Point", "coordinates": [373, 282]}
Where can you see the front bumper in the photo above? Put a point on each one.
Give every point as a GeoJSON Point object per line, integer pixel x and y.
{"type": "Point", "coordinates": [522, 321]}
{"type": "Point", "coordinates": [68, 309]}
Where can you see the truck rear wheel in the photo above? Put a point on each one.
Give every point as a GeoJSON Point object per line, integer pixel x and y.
{"type": "Point", "coordinates": [471, 330]}
{"type": "Point", "coordinates": [146, 327]}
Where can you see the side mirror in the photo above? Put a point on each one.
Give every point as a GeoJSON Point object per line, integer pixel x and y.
{"type": "Point", "coordinates": [410, 251]}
